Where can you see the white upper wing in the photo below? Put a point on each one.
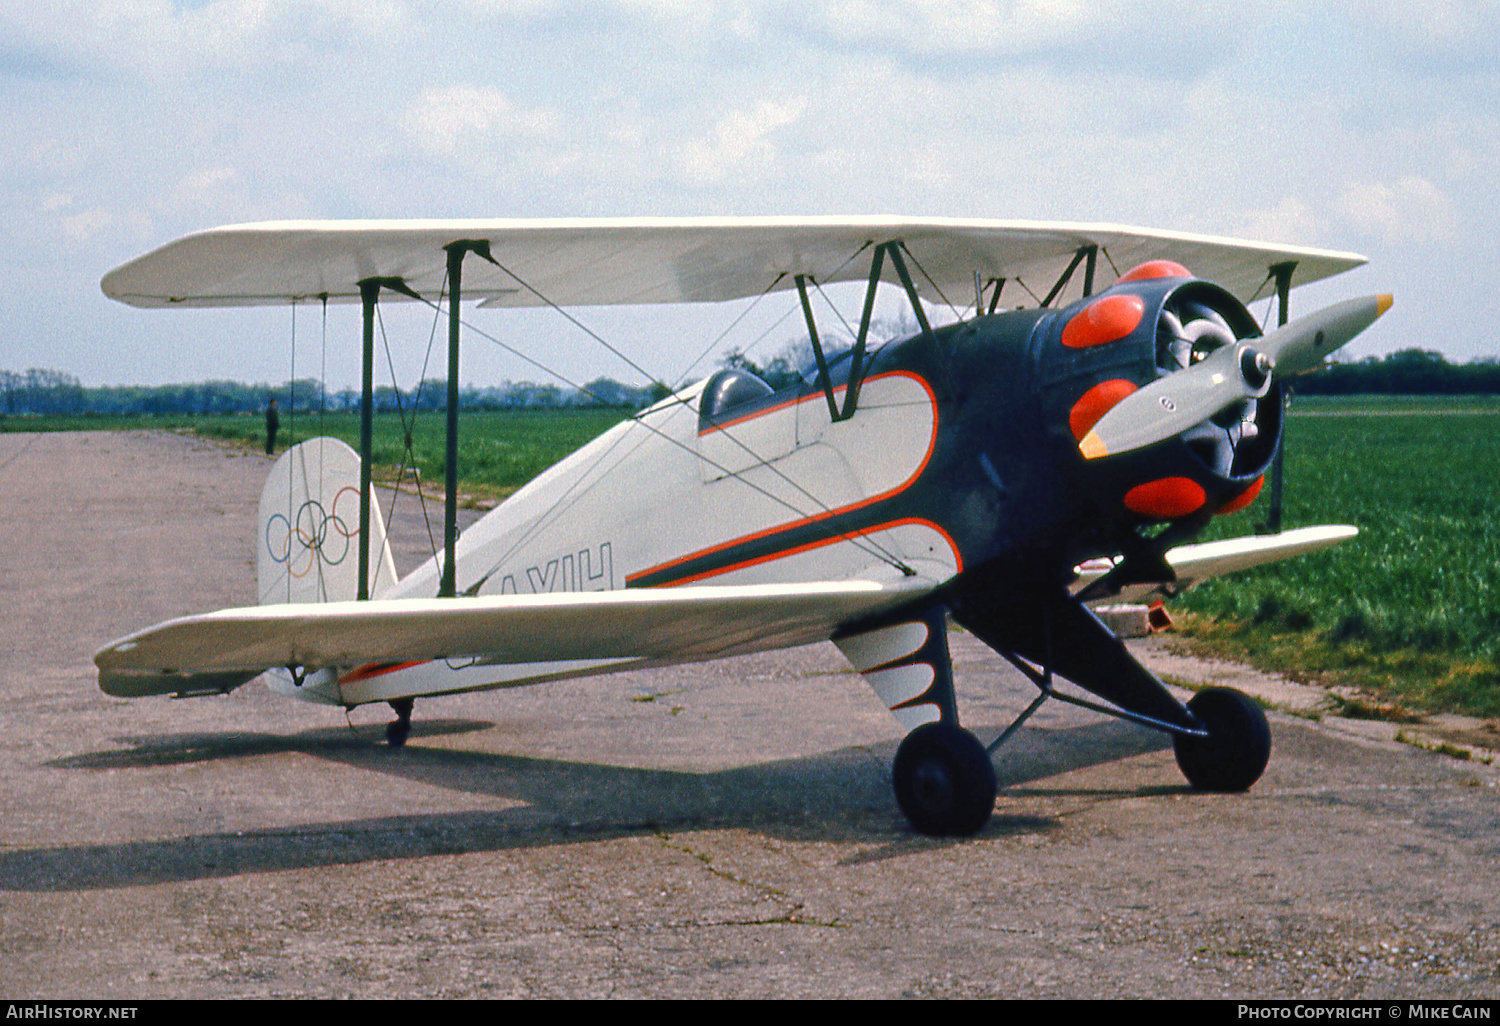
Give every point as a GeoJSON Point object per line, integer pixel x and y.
{"type": "Point", "coordinates": [660, 625]}
{"type": "Point", "coordinates": [667, 260]}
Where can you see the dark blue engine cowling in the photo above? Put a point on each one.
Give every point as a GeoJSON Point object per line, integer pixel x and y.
{"type": "Point", "coordinates": [1030, 384]}
{"type": "Point", "coordinates": [1181, 320]}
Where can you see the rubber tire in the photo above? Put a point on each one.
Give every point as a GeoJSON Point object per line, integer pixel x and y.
{"type": "Point", "coordinates": [944, 781]}
{"type": "Point", "coordinates": [1237, 748]}
{"type": "Point", "coordinates": [396, 733]}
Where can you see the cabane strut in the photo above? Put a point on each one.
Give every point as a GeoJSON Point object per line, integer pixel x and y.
{"type": "Point", "coordinates": [857, 357]}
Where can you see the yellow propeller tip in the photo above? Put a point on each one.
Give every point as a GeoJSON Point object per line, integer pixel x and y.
{"type": "Point", "coordinates": [1383, 303]}
{"type": "Point", "coordinates": [1092, 446]}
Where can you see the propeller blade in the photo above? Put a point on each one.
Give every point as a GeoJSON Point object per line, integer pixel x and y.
{"type": "Point", "coordinates": [1302, 344]}
{"type": "Point", "coordinates": [1173, 404]}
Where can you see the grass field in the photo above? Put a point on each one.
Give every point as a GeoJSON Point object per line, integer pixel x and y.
{"type": "Point", "coordinates": [498, 452]}
{"type": "Point", "coordinates": [1410, 609]}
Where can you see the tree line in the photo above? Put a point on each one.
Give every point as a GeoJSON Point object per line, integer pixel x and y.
{"type": "Point", "coordinates": [40, 392]}
{"type": "Point", "coordinates": [51, 392]}
{"type": "Point", "coordinates": [1406, 372]}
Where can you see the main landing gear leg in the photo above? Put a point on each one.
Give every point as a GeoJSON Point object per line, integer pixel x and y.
{"type": "Point", "coordinates": [942, 775]}
{"type": "Point", "coordinates": [399, 729]}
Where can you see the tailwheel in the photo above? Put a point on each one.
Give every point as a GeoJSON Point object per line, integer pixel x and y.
{"type": "Point", "coordinates": [1238, 745]}
{"type": "Point", "coordinates": [944, 781]}
{"type": "Point", "coordinates": [397, 731]}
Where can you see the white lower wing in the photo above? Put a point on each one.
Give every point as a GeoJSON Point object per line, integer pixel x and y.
{"type": "Point", "coordinates": [219, 651]}
{"type": "Point", "coordinates": [1196, 563]}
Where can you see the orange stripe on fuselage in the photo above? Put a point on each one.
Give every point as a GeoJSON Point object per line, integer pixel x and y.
{"type": "Point", "coordinates": [815, 518]}
{"type": "Point", "coordinates": [822, 542]}
{"type": "Point", "coordinates": [370, 670]}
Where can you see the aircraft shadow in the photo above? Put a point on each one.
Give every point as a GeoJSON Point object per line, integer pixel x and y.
{"type": "Point", "coordinates": [840, 796]}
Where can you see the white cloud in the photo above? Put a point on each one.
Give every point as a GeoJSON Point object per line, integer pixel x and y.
{"type": "Point", "coordinates": [85, 225]}
{"type": "Point", "coordinates": [1435, 31]}
{"type": "Point", "coordinates": [1290, 221]}
{"type": "Point", "coordinates": [470, 122]}
{"type": "Point", "coordinates": [159, 39]}
{"type": "Point", "coordinates": [213, 188]}
{"type": "Point", "coordinates": [1411, 210]}
{"type": "Point", "coordinates": [739, 141]}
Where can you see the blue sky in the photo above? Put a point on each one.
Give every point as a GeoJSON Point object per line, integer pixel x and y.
{"type": "Point", "coordinates": [1367, 126]}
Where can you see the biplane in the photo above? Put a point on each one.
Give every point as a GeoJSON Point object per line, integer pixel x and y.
{"type": "Point", "coordinates": [1007, 471]}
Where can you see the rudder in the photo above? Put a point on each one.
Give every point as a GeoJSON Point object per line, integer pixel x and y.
{"type": "Point", "coordinates": [307, 549]}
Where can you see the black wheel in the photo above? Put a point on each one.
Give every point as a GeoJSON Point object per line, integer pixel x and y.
{"type": "Point", "coordinates": [396, 732]}
{"type": "Point", "coordinates": [399, 729]}
{"type": "Point", "coordinates": [1237, 748]}
{"type": "Point", "coordinates": [944, 781]}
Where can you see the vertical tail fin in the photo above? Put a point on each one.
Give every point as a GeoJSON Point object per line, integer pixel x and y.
{"type": "Point", "coordinates": [307, 549]}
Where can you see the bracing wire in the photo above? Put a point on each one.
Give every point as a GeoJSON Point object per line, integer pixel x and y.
{"type": "Point", "coordinates": [291, 384]}
{"type": "Point", "coordinates": [1266, 319]}
{"type": "Point", "coordinates": [766, 333]}
{"type": "Point", "coordinates": [322, 393]}
{"type": "Point", "coordinates": [935, 286]}
{"type": "Point", "coordinates": [417, 405]}
{"type": "Point", "coordinates": [323, 387]}
{"type": "Point", "coordinates": [882, 553]}
{"type": "Point", "coordinates": [874, 549]}
{"type": "Point", "coordinates": [323, 370]}
{"type": "Point", "coordinates": [784, 317]}
{"type": "Point", "coordinates": [408, 456]}
{"type": "Point", "coordinates": [870, 548]}
{"type": "Point", "coordinates": [1112, 267]}
{"type": "Point", "coordinates": [836, 311]}
{"type": "Point", "coordinates": [292, 466]}
{"type": "Point", "coordinates": [682, 378]}
{"type": "Point", "coordinates": [760, 461]}
{"type": "Point", "coordinates": [590, 332]}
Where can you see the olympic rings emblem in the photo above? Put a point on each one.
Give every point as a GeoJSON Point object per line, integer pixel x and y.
{"type": "Point", "coordinates": [319, 534]}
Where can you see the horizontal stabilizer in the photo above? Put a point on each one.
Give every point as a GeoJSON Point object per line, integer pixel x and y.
{"type": "Point", "coordinates": [139, 684]}
{"type": "Point", "coordinates": [668, 625]}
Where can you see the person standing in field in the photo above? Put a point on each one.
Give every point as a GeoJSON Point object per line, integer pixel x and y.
{"type": "Point", "coordinates": [273, 421]}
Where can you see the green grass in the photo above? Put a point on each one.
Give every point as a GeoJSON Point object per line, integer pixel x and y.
{"type": "Point", "coordinates": [1327, 404]}
{"type": "Point", "coordinates": [498, 450]}
{"type": "Point", "coordinates": [1411, 608]}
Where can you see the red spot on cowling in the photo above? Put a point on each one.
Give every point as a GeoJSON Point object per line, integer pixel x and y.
{"type": "Point", "coordinates": [1166, 498]}
{"type": "Point", "coordinates": [1095, 403]}
{"type": "Point", "coordinates": [1104, 320]}
{"type": "Point", "coordinates": [1156, 269]}
{"type": "Point", "coordinates": [1245, 498]}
